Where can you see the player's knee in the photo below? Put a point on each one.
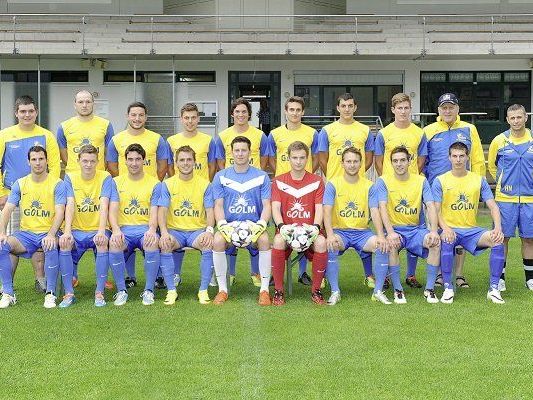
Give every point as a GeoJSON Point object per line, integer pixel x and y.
{"type": "Point", "coordinates": [279, 243]}
{"type": "Point", "coordinates": [526, 241]}
{"type": "Point", "coordinates": [263, 243]}
{"type": "Point", "coordinates": [320, 244]}
{"type": "Point", "coordinates": [219, 243]}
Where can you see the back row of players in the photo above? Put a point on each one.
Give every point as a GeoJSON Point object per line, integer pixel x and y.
{"type": "Point", "coordinates": [137, 204]}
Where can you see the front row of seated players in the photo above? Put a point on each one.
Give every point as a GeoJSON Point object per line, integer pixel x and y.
{"type": "Point", "coordinates": [185, 209]}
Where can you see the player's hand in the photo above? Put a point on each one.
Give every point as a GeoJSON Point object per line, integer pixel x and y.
{"type": "Point", "coordinates": [496, 235]}
{"type": "Point", "coordinates": [49, 242]}
{"type": "Point", "coordinates": [332, 243]}
{"type": "Point", "coordinates": [206, 240]}
{"type": "Point", "coordinates": [117, 239]}
{"type": "Point", "coordinates": [382, 244]}
{"type": "Point", "coordinates": [394, 240]}
{"type": "Point", "coordinates": [100, 238]}
{"type": "Point", "coordinates": [66, 240]}
{"type": "Point", "coordinates": [313, 231]}
{"type": "Point", "coordinates": [150, 238]}
{"type": "Point", "coordinates": [3, 239]}
{"type": "Point", "coordinates": [257, 229]}
{"type": "Point", "coordinates": [225, 229]}
{"type": "Point", "coordinates": [448, 235]}
{"type": "Point", "coordinates": [165, 241]}
{"type": "Point", "coordinates": [286, 232]}
{"type": "Point", "coordinates": [3, 201]}
{"type": "Point", "coordinates": [432, 239]}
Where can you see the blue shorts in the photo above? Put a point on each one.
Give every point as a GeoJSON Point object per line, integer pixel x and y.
{"type": "Point", "coordinates": [31, 241]}
{"type": "Point", "coordinates": [232, 250]}
{"type": "Point", "coordinates": [468, 239]}
{"type": "Point", "coordinates": [185, 238]}
{"type": "Point", "coordinates": [413, 239]}
{"type": "Point", "coordinates": [356, 239]}
{"type": "Point", "coordinates": [83, 241]}
{"type": "Point", "coordinates": [134, 238]}
{"type": "Point", "coordinates": [516, 215]}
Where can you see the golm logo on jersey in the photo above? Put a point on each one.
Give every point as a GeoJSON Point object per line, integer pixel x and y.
{"type": "Point", "coordinates": [297, 211]}
{"type": "Point", "coordinates": [462, 203]}
{"type": "Point", "coordinates": [347, 143]}
{"type": "Point", "coordinates": [241, 206]}
{"type": "Point", "coordinates": [87, 205]}
{"type": "Point", "coordinates": [186, 209]}
{"type": "Point", "coordinates": [404, 208]}
{"type": "Point", "coordinates": [84, 142]}
{"type": "Point", "coordinates": [351, 210]}
{"type": "Point", "coordinates": [134, 208]}
{"type": "Point", "coordinates": [36, 210]}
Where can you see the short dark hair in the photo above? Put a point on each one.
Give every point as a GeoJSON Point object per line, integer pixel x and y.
{"type": "Point", "coordinates": [137, 104]}
{"type": "Point", "coordinates": [516, 107]}
{"type": "Point", "coordinates": [37, 149]}
{"type": "Point", "coordinates": [88, 149]}
{"type": "Point", "coordinates": [352, 150]}
{"type": "Point", "coordinates": [345, 97]}
{"type": "Point", "coordinates": [458, 146]}
{"type": "Point", "coordinates": [189, 107]}
{"type": "Point", "coordinates": [186, 149]}
{"type": "Point", "coordinates": [241, 139]}
{"type": "Point", "coordinates": [295, 99]}
{"type": "Point", "coordinates": [238, 102]}
{"type": "Point", "coordinates": [24, 101]}
{"type": "Point", "coordinates": [135, 147]}
{"type": "Point", "coordinates": [400, 149]}
{"type": "Point", "coordinates": [295, 146]}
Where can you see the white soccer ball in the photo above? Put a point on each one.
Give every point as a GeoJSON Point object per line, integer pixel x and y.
{"type": "Point", "coordinates": [301, 239]}
{"type": "Point", "coordinates": [242, 234]}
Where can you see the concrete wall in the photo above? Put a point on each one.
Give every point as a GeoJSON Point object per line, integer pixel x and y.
{"type": "Point", "coordinates": [82, 6]}
{"type": "Point", "coordinates": [438, 6]}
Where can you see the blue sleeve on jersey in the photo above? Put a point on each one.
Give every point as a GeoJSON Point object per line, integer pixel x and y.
{"type": "Point", "coordinates": [60, 195]}
{"type": "Point", "coordinates": [436, 188]}
{"type": "Point", "coordinates": [486, 193]}
{"type": "Point", "coordinates": [208, 197]}
{"type": "Point", "coordinates": [156, 192]}
{"type": "Point", "coordinates": [61, 139]}
{"type": "Point", "coordinates": [381, 190]}
{"type": "Point", "coordinates": [379, 145]}
{"type": "Point", "coordinates": [164, 196]}
{"type": "Point", "coordinates": [211, 152]}
{"type": "Point", "coordinates": [314, 143]}
{"type": "Point", "coordinates": [114, 193]}
{"type": "Point", "coordinates": [162, 149]}
{"type": "Point", "coordinates": [272, 148]}
{"type": "Point", "coordinates": [263, 146]}
{"type": "Point", "coordinates": [109, 133]}
{"type": "Point", "coordinates": [329, 195]}
{"type": "Point", "coordinates": [323, 140]}
{"type": "Point", "coordinates": [217, 188]}
{"type": "Point", "coordinates": [423, 146]}
{"type": "Point", "coordinates": [14, 195]}
{"type": "Point", "coordinates": [266, 188]}
{"type": "Point", "coordinates": [372, 197]}
{"type": "Point", "coordinates": [69, 190]}
{"type": "Point", "coordinates": [112, 154]}
{"type": "Point", "coordinates": [427, 194]}
{"type": "Point", "coordinates": [107, 187]}
{"type": "Point", "coordinates": [369, 144]}
{"type": "Point", "coordinates": [220, 151]}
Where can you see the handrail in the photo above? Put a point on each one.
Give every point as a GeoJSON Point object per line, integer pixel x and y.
{"type": "Point", "coordinates": [303, 16]}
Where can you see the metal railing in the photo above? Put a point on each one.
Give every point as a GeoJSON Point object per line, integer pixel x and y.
{"type": "Point", "coordinates": [232, 34]}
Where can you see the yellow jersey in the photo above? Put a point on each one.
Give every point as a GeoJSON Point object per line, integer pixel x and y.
{"type": "Point", "coordinates": [203, 146]}
{"type": "Point", "coordinates": [281, 138]}
{"type": "Point", "coordinates": [259, 145]}
{"type": "Point", "coordinates": [135, 199]}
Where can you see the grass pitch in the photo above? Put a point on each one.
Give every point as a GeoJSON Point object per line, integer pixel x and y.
{"type": "Point", "coordinates": [358, 349]}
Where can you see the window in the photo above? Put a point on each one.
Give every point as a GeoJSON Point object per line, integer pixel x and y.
{"type": "Point", "coordinates": [197, 76]}
{"type": "Point", "coordinates": [46, 76]}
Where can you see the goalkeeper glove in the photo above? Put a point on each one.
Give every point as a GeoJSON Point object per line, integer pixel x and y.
{"type": "Point", "coordinates": [313, 230]}
{"type": "Point", "coordinates": [225, 229]}
{"type": "Point", "coordinates": [257, 229]}
{"type": "Point", "coordinates": [286, 231]}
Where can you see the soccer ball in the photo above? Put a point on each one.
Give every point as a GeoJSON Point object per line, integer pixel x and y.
{"type": "Point", "coordinates": [301, 239]}
{"type": "Point", "coordinates": [242, 234]}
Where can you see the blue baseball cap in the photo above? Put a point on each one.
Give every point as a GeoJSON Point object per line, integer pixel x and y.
{"type": "Point", "coordinates": [448, 98]}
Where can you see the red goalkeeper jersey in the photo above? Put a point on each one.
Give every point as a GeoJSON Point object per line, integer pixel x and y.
{"type": "Point", "coordinates": [298, 197]}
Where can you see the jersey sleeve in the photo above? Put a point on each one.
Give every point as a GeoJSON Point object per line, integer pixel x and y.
{"type": "Point", "coordinates": [211, 151]}
{"type": "Point", "coordinates": [162, 149]}
{"type": "Point", "coordinates": [109, 133]}
{"type": "Point", "coordinates": [208, 197]}
{"type": "Point", "coordinates": [61, 139]}
{"type": "Point", "coordinates": [164, 196]}
{"type": "Point", "coordinates": [314, 143]}
{"type": "Point", "coordinates": [263, 146]}
{"type": "Point", "coordinates": [436, 188]}
{"type": "Point", "coordinates": [423, 146]}
{"type": "Point", "coordinates": [265, 188]}
{"type": "Point", "coordinates": [220, 151]}
{"type": "Point", "coordinates": [107, 187]}
{"type": "Point", "coordinates": [319, 195]}
{"type": "Point", "coordinates": [275, 192]}
{"type": "Point", "coordinates": [272, 148]}
{"type": "Point", "coordinates": [477, 158]}
{"type": "Point", "coordinates": [14, 195]}
{"type": "Point", "coordinates": [329, 194]}
{"type": "Point", "coordinates": [381, 190]}
{"type": "Point", "coordinates": [372, 197]}
{"type": "Point", "coordinates": [69, 190]}
{"type": "Point", "coordinates": [369, 144]}
{"type": "Point", "coordinates": [486, 193]}
{"type": "Point", "coordinates": [60, 193]}
{"type": "Point", "coordinates": [217, 188]}
{"type": "Point", "coordinates": [427, 194]}
{"type": "Point", "coordinates": [156, 191]}
{"type": "Point", "coordinates": [491, 158]}
{"type": "Point", "coordinates": [54, 160]}
{"type": "Point", "coordinates": [379, 144]}
{"type": "Point", "coordinates": [114, 192]}
{"type": "Point", "coordinates": [323, 140]}
{"type": "Point", "coordinates": [112, 154]}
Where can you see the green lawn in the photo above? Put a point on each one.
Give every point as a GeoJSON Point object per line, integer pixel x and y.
{"type": "Point", "coordinates": [358, 349]}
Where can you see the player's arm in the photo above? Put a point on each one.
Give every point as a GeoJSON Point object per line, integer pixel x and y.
{"type": "Point", "coordinates": [112, 158]}
{"type": "Point", "coordinates": [369, 150]}
{"type": "Point", "coordinates": [448, 234]}
{"type": "Point", "coordinates": [3, 197]}
{"type": "Point", "coordinates": [54, 159]}
{"type": "Point", "coordinates": [331, 239]}
{"type": "Point", "coordinates": [323, 158]}
{"type": "Point", "coordinates": [162, 167]}
{"type": "Point", "coordinates": [382, 198]}
{"type": "Point", "coordinates": [276, 213]}
{"type": "Point", "coordinates": [323, 150]}
{"type": "Point", "coordinates": [493, 152]}
{"type": "Point", "coordinates": [272, 161]}
{"type": "Point", "coordinates": [162, 154]}
{"type": "Point", "coordinates": [433, 218]}
{"type": "Point", "coordinates": [378, 164]}
{"type": "Point", "coordinates": [4, 220]}
{"type": "Point", "coordinates": [267, 210]}
{"type": "Point", "coordinates": [421, 162]}
{"type": "Point", "coordinates": [263, 152]}
{"type": "Point", "coordinates": [219, 210]}
{"type": "Point", "coordinates": [496, 233]}
{"type": "Point", "coordinates": [369, 158]}
{"type": "Point", "coordinates": [379, 150]}
{"type": "Point", "coordinates": [62, 142]}
{"type": "Point", "coordinates": [117, 237]}
{"type": "Point", "coordinates": [66, 238]}
{"type": "Point", "coordinates": [63, 153]}
{"type": "Point", "coordinates": [220, 154]}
